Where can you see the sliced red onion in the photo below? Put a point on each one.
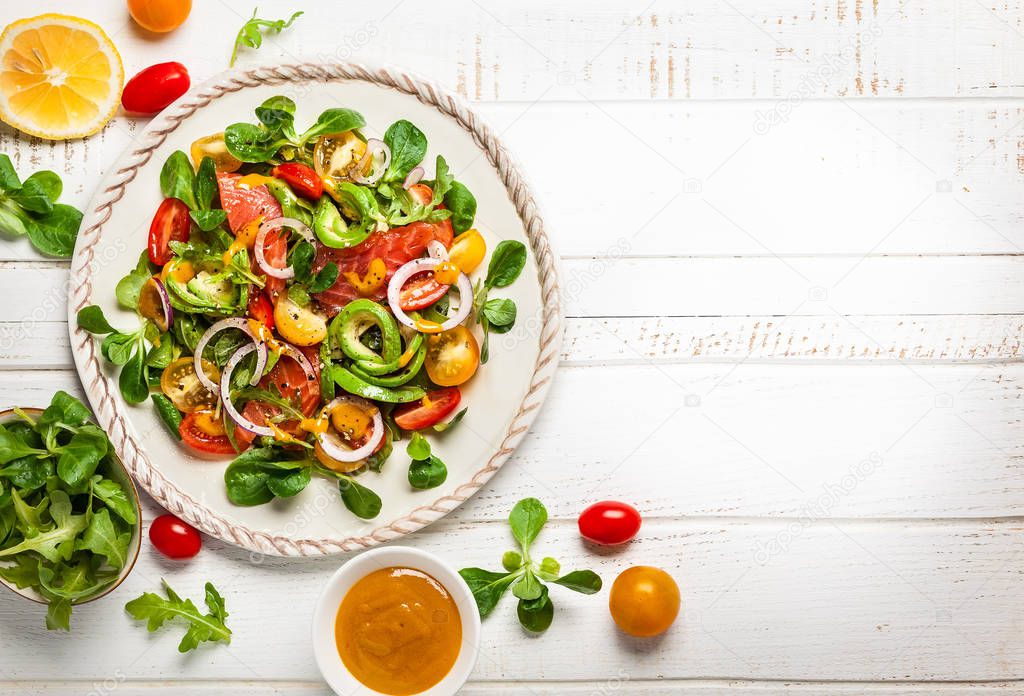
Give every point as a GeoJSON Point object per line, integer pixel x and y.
{"type": "Point", "coordinates": [230, 323]}
{"type": "Point", "coordinates": [407, 271]}
{"type": "Point", "coordinates": [413, 178]}
{"type": "Point", "coordinates": [261, 237]}
{"type": "Point", "coordinates": [373, 146]}
{"type": "Point", "coordinates": [332, 445]}
{"type": "Point", "coordinates": [225, 395]}
{"type": "Point", "coordinates": [437, 250]}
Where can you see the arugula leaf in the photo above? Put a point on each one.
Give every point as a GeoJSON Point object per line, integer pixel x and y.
{"type": "Point", "coordinates": [54, 544]}
{"type": "Point", "coordinates": [58, 614]}
{"type": "Point", "coordinates": [251, 33]}
{"type": "Point", "coordinates": [113, 495]}
{"type": "Point", "coordinates": [156, 611]}
{"type": "Point", "coordinates": [103, 538]}
{"type": "Point", "coordinates": [80, 457]}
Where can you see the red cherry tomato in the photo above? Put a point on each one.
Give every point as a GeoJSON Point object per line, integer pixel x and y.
{"type": "Point", "coordinates": [262, 310]}
{"type": "Point", "coordinates": [174, 538]}
{"type": "Point", "coordinates": [609, 522]}
{"type": "Point", "coordinates": [420, 292]}
{"type": "Point", "coordinates": [431, 409]}
{"type": "Point", "coordinates": [154, 88]}
{"type": "Point", "coordinates": [203, 431]}
{"type": "Point", "coordinates": [303, 180]}
{"type": "Point", "coordinates": [171, 223]}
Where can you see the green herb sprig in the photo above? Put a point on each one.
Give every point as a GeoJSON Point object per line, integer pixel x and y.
{"type": "Point", "coordinates": [30, 208]}
{"type": "Point", "coordinates": [251, 33]}
{"type": "Point", "coordinates": [426, 470]}
{"type": "Point", "coordinates": [498, 314]}
{"type": "Point", "coordinates": [156, 611]}
{"type": "Point", "coordinates": [525, 576]}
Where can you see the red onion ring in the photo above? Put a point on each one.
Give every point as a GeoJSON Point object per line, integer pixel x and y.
{"type": "Point", "coordinates": [332, 445]}
{"type": "Point", "coordinates": [261, 238]}
{"type": "Point", "coordinates": [373, 146]}
{"type": "Point", "coordinates": [230, 323]}
{"type": "Point", "coordinates": [407, 271]}
{"type": "Point", "coordinates": [437, 250]}
{"type": "Point", "coordinates": [225, 396]}
{"type": "Point", "coordinates": [413, 178]}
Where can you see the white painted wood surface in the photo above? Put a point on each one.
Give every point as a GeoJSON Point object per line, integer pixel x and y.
{"type": "Point", "coordinates": [791, 237]}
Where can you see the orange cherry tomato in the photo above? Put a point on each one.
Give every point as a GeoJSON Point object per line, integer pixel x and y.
{"type": "Point", "coordinates": [644, 601]}
{"type": "Point", "coordinates": [452, 357]}
{"type": "Point", "coordinates": [159, 15]}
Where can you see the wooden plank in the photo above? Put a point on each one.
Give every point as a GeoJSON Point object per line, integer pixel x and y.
{"type": "Point", "coordinates": [920, 178]}
{"type": "Point", "coordinates": [623, 684]}
{"type": "Point", "coordinates": [792, 50]}
{"type": "Point", "coordinates": [744, 440]}
{"type": "Point", "coordinates": [631, 340]}
{"type": "Point", "coordinates": [872, 600]}
{"type": "Point", "coordinates": [747, 286]}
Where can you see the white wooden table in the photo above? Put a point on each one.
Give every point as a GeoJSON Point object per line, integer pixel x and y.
{"type": "Point", "coordinates": [791, 242]}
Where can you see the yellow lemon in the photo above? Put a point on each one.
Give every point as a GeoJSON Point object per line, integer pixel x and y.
{"type": "Point", "coordinates": [60, 76]}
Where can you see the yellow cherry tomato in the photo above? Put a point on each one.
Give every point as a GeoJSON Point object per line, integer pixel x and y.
{"type": "Point", "coordinates": [334, 154]}
{"type": "Point", "coordinates": [213, 146]}
{"type": "Point", "coordinates": [180, 384]}
{"type": "Point", "coordinates": [468, 251]}
{"type": "Point", "coordinates": [298, 325]}
{"type": "Point", "coordinates": [159, 15]}
{"type": "Point", "coordinates": [644, 601]}
{"type": "Point", "coordinates": [452, 357]}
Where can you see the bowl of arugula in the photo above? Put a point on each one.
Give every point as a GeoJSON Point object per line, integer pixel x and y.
{"type": "Point", "coordinates": [70, 527]}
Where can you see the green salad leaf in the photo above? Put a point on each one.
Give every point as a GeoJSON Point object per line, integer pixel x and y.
{"type": "Point", "coordinates": [30, 208]}
{"type": "Point", "coordinates": [202, 627]}
{"type": "Point", "coordinates": [526, 577]}
{"type": "Point", "coordinates": [251, 33]}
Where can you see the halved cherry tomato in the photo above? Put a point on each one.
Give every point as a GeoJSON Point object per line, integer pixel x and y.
{"type": "Point", "coordinates": [204, 431]}
{"type": "Point", "coordinates": [431, 409]}
{"type": "Point", "coordinates": [180, 384]}
{"type": "Point", "coordinates": [159, 15]}
{"type": "Point", "coordinates": [421, 193]}
{"type": "Point", "coordinates": [171, 223]}
{"type": "Point", "coordinates": [609, 522]}
{"type": "Point", "coordinates": [302, 179]}
{"type": "Point", "coordinates": [155, 87]}
{"type": "Point", "coordinates": [452, 356]}
{"type": "Point", "coordinates": [467, 251]}
{"type": "Point", "coordinates": [421, 291]}
{"type": "Point", "coordinates": [213, 146]}
{"type": "Point", "coordinates": [299, 325]}
{"type": "Point", "coordinates": [644, 601]}
{"type": "Point", "coordinates": [174, 538]}
{"type": "Point", "coordinates": [334, 154]}
{"type": "Point", "coordinates": [262, 310]}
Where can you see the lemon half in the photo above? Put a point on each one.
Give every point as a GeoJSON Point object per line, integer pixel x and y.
{"type": "Point", "coordinates": [60, 76]}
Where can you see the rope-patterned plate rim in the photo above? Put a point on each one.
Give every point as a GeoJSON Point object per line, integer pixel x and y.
{"type": "Point", "coordinates": [100, 389]}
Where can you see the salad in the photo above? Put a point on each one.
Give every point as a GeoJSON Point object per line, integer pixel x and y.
{"type": "Point", "coordinates": [306, 299]}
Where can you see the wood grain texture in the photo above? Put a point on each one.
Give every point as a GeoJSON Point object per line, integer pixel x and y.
{"type": "Point", "coordinates": [917, 178]}
{"type": "Point", "coordinates": [836, 441]}
{"type": "Point", "coordinates": [629, 340]}
{"type": "Point", "coordinates": [872, 600]}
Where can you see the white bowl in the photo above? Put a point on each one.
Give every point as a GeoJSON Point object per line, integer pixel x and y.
{"type": "Point", "coordinates": [325, 647]}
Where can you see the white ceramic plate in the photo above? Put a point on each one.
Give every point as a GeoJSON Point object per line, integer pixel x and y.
{"type": "Point", "coordinates": [503, 397]}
